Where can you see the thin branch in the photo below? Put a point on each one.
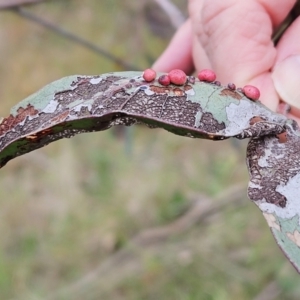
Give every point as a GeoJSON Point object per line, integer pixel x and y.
{"type": "Point", "coordinates": [15, 3]}
{"type": "Point", "coordinates": [72, 37]}
{"type": "Point", "coordinates": [175, 15]}
{"type": "Point", "coordinates": [291, 17]}
{"type": "Point", "coordinates": [271, 291]}
{"type": "Point", "coordinates": [201, 208]}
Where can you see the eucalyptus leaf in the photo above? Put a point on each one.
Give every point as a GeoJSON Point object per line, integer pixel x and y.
{"type": "Point", "coordinates": [196, 109]}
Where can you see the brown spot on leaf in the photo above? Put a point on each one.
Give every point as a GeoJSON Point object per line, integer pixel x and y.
{"type": "Point", "coordinates": [230, 93]}
{"type": "Point", "coordinates": [159, 89]}
{"type": "Point", "coordinates": [83, 81]}
{"type": "Point", "coordinates": [37, 136]}
{"type": "Point", "coordinates": [178, 92]}
{"type": "Point", "coordinates": [255, 120]}
{"type": "Point", "coordinates": [11, 121]}
{"type": "Point", "coordinates": [32, 137]}
{"type": "Point", "coordinates": [282, 137]}
{"type": "Point", "coordinates": [59, 118]}
{"type": "Point", "coordinates": [188, 87]}
{"type": "Point", "coordinates": [28, 111]}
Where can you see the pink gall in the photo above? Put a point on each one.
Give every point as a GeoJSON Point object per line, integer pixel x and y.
{"type": "Point", "coordinates": [231, 86]}
{"type": "Point", "coordinates": [177, 77]}
{"type": "Point", "coordinates": [251, 92]}
{"type": "Point", "coordinates": [164, 80]}
{"type": "Point", "coordinates": [149, 75]}
{"type": "Point", "coordinates": [207, 75]}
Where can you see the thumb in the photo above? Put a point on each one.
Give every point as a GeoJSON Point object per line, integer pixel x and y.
{"type": "Point", "coordinates": [286, 72]}
{"type": "Point", "coordinates": [286, 78]}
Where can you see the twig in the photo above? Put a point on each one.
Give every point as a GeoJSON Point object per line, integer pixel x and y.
{"type": "Point", "coordinates": [15, 3]}
{"type": "Point", "coordinates": [293, 14]}
{"type": "Point", "coordinates": [271, 291]}
{"type": "Point", "coordinates": [175, 15]}
{"type": "Point", "coordinates": [32, 17]}
{"type": "Point", "coordinates": [201, 208]}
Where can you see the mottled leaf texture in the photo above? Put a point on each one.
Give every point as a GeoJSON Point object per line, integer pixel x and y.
{"type": "Point", "coordinates": [196, 109]}
{"type": "Point", "coordinates": [275, 186]}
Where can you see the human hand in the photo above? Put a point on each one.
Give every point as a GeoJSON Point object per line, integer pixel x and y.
{"type": "Point", "coordinates": [234, 38]}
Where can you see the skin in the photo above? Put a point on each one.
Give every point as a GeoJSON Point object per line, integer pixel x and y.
{"type": "Point", "coordinates": [233, 38]}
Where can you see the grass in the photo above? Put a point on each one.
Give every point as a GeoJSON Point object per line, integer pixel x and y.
{"type": "Point", "coordinates": [69, 211]}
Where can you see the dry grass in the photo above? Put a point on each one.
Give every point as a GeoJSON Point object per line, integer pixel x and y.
{"type": "Point", "coordinates": [70, 209]}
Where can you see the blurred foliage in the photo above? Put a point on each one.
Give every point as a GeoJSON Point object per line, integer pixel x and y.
{"type": "Point", "coordinates": [69, 210]}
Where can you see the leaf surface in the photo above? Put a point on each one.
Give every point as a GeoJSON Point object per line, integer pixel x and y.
{"type": "Point", "coordinates": [274, 186]}
{"type": "Point", "coordinates": [78, 104]}
{"type": "Point", "coordinates": [197, 109]}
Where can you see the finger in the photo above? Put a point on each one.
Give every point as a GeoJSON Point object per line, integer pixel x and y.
{"type": "Point", "coordinates": [178, 54]}
{"type": "Point", "coordinates": [286, 73]}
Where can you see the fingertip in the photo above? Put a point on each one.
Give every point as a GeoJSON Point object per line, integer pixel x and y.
{"type": "Point", "coordinates": [178, 54]}
{"type": "Point", "coordinates": [286, 78]}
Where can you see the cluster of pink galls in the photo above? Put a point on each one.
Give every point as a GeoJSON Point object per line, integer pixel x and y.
{"type": "Point", "coordinates": [178, 77]}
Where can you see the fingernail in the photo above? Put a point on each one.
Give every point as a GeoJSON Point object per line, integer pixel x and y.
{"type": "Point", "coordinates": [286, 78]}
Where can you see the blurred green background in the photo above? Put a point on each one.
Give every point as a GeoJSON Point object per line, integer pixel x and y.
{"type": "Point", "coordinates": [134, 214]}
